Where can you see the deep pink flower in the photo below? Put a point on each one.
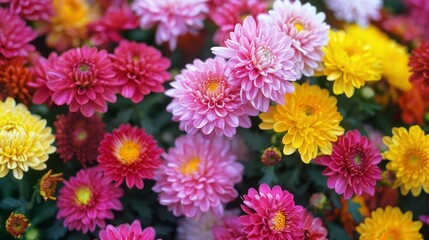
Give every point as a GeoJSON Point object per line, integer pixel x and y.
{"type": "Point", "coordinates": [127, 232]}
{"type": "Point", "coordinates": [198, 176]}
{"type": "Point", "coordinates": [260, 61]}
{"type": "Point", "coordinates": [32, 10]}
{"type": "Point", "coordinates": [204, 100]}
{"type": "Point", "coordinates": [308, 31]}
{"type": "Point", "coordinates": [352, 166]}
{"type": "Point", "coordinates": [313, 228]}
{"type": "Point", "coordinates": [141, 67]}
{"type": "Point", "coordinates": [87, 200]}
{"type": "Point", "coordinates": [271, 214]}
{"type": "Point", "coordinates": [229, 229]}
{"type": "Point", "coordinates": [42, 92]}
{"type": "Point", "coordinates": [419, 63]}
{"type": "Point", "coordinates": [129, 154]}
{"type": "Point", "coordinates": [83, 78]}
{"type": "Point", "coordinates": [173, 18]}
{"type": "Point", "coordinates": [15, 36]}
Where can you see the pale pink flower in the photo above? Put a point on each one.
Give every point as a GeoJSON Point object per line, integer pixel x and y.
{"type": "Point", "coordinates": [359, 11]}
{"type": "Point", "coordinates": [201, 229]}
{"type": "Point", "coordinates": [127, 232]}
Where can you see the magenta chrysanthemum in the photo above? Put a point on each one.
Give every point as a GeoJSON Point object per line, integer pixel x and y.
{"type": "Point", "coordinates": [359, 11]}
{"type": "Point", "coordinates": [87, 200]}
{"type": "Point", "coordinates": [260, 61]}
{"type": "Point", "coordinates": [129, 154]}
{"type": "Point", "coordinates": [141, 67]}
{"type": "Point", "coordinates": [306, 27]}
{"type": "Point", "coordinates": [127, 231]}
{"type": "Point", "coordinates": [313, 228]}
{"type": "Point", "coordinates": [15, 36]}
{"type": "Point", "coordinates": [32, 10]}
{"type": "Point", "coordinates": [172, 17]}
{"type": "Point", "coordinates": [352, 166]}
{"type": "Point", "coordinates": [83, 78]}
{"type": "Point", "coordinates": [198, 176]}
{"type": "Point", "coordinates": [78, 136]}
{"type": "Point", "coordinates": [204, 100]}
{"type": "Point", "coordinates": [271, 214]}
{"type": "Point", "coordinates": [42, 92]}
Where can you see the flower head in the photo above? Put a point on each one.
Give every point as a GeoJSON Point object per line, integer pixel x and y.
{"type": "Point", "coordinates": [198, 176]}
{"type": "Point", "coordinates": [413, 106]}
{"type": "Point", "coordinates": [352, 166]}
{"type": "Point", "coordinates": [308, 31]}
{"type": "Point", "coordinates": [271, 156]}
{"type": "Point", "coordinates": [310, 119]}
{"type": "Point", "coordinates": [390, 223]}
{"type": "Point", "coordinates": [32, 10]}
{"type": "Point", "coordinates": [408, 156]}
{"type": "Point", "coordinates": [313, 228]}
{"type": "Point", "coordinates": [260, 61]}
{"type": "Point", "coordinates": [271, 214]}
{"type": "Point", "coordinates": [127, 231]}
{"type": "Point", "coordinates": [83, 78]}
{"type": "Point", "coordinates": [39, 84]}
{"type": "Point", "coordinates": [48, 184]}
{"type": "Point", "coordinates": [16, 36]}
{"type": "Point", "coordinates": [14, 77]}
{"type": "Point", "coordinates": [173, 18]}
{"type": "Point", "coordinates": [16, 224]}
{"type": "Point", "coordinates": [26, 141]}
{"type": "Point", "coordinates": [228, 229]}
{"type": "Point", "coordinates": [78, 136]}
{"type": "Point", "coordinates": [359, 11]}
{"type": "Point", "coordinates": [204, 100]}
{"type": "Point", "coordinates": [141, 68]}
{"type": "Point", "coordinates": [419, 63]}
{"type": "Point", "coordinates": [87, 200]}
{"type": "Point", "coordinates": [129, 154]}
{"type": "Point", "coordinates": [193, 229]}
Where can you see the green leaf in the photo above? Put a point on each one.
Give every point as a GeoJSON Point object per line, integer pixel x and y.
{"type": "Point", "coordinates": [55, 231]}
{"type": "Point", "coordinates": [269, 177]}
{"type": "Point", "coordinates": [337, 233]}
{"type": "Point", "coordinates": [353, 208]}
{"type": "Point", "coordinates": [10, 204]}
{"type": "Point", "coordinates": [43, 213]}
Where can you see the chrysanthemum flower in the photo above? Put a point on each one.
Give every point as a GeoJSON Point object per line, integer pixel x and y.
{"type": "Point", "coordinates": [413, 106]}
{"type": "Point", "coordinates": [419, 62]}
{"type": "Point", "coordinates": [48, 184]}
{"type": "Point", "coordinates": [16, 224]}
{"type": "Point", "coordinates": [390, 223]}
{"type": "Point", "coordinates": [198, 176]}
{"type": "Point", "coordinates": [408, 156]}
{"type": "Point", "coordinates": [313, 228]}
{"type": "Point", "coordinates": [310, 119]}
{"type": "Point", "coordinates": [127, 231]}
{"type": "Point", "coordinates": [129, 154]}
{"type": "Point", "coordinates": [204, 100]}
{"type": "Point", "coordinates": [78, 136]}
{"type": "Point", "coordinates": [271, 214]}
{"type": "Point", "coordinates": [260, 61]}
{"type": "Point", "coordinates": [308, 31]}
{"type": "Point", "coordinates": [173, 18]}
{"type": "Point", "coordinates": [271, 156]}
{"type": "Point", "coordinates": [228, 229]}
{"type": "Point", "coordinates": [359, 11]}
{"type": "Point", "coordinates": [14, 77]}
{"type": "Point", "coordinates": [39, 84]}
{"type": "Point", "coordinates": [349, 63]}
{"type": "Point", "coordinates": [16, 36]}
{"type": "Point", "coordinates": [87, 200]}
{"type": "Point", "coordinates": [352, 166]}
{"type": "Point", "coordinates": [26, 141]}
{"type": "Point", "coordinates": [32, 10]}
{"type": "Point", "coordinates": [141, 68]}
{"type": "Point", "coordinates": [83, 78]}
{"type": "Point", "coordinates": [193, 229]}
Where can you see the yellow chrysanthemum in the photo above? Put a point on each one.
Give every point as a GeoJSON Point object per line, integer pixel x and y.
{"type": "Point", "coordinates": [349, 63]}
{"type": "Point", "coordinates": [25, 141]}
{"type": "Point", "coordinates": [310, 119]}
{"type": "Point", "coordinates": [408, 153]}
{"type": "Point", "coordinates": [390, 223]}
{"type": "Point", "coordinates": [394, 57]}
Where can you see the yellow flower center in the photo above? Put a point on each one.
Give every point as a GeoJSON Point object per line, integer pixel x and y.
{"type": "Point", "coordinates": [83, 196]}
{"type": "Point", "coordinates": [278, 221]}
{"type": "Point", "coordinates": [307, 110]}
{"type": "Point", "coordinates": [191, 166]}
{"type": "Point", "coordinates": [129, 152]}
{"type": "Point", "coordinates": [298, 26]}
{"type": "Point", "coordinates": [212, 86]}
{"type": "Point", "coordinates": [391, 234]}
{"type": "Point", "coordinates": [415, 158]}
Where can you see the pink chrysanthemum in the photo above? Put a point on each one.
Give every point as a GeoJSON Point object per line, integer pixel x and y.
{"type": "Point", "coordinates": [83, 78]}
{"type": "Point", "coordinates": [229, 229]}
{"type": "Point", "coordinates": [230, 12]}
{"type": "Point", "coordinates": [352, 166]}
{"type": "Point", "coordinates": [198, 229]}
{"type": "Point", "coordinates": [204, 100]}
{"type": "Point", "coordinates": [198, 176]}
{"type": "Point", "coordinates": [129, 154]}
{"type": "Point", "coordinates": [172, 17]}
{"type": "Point", "coordinates": [32, 10]}
{"type": "Point", "coordinates": [127, 231]}
{"type": "Point", "coordinates": [271, 214]}
{"type": "Point", "coordinates": [87, 200]}
{"type": "Point", "coordinates": [15, 36]}
{"type": "Point", "coordinates": [306, 27]}
{"type": "Point", "coordinates": [141, 67]}
{"type": "Point", "coordinates": [260, 61]}
{"type": "Point", "coordinates": [313, 228]}
{"type": "Point", "coordinates": [78, 136]}
{"type": "Point", "coordinates": [359, 11]}
{"type": "Point", "coordinates": [42, 92]}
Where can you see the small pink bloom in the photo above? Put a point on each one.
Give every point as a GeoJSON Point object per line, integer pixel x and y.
{"type": "Point", "coordinates": [313, 228]}
{"type": "Point", "coordinates": [361, 11]}
{"type": "Point", "coordinates": [43, 93]}
{"type": "Point", "coordinates": [127, 232]}
{"type": "Point", "coordinates": [32, 10]}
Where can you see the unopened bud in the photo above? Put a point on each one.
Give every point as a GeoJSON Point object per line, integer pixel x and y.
{"type": "Point", "coordinates": [271, 156]}
{"type": "Point", "coordinates": [318, 201]}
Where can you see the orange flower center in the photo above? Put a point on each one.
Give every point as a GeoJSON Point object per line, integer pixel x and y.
{"type": "Point", "coordinates": [391, 234]}
{"type": "Point", "coordinates": [191, 166]}
{"type": "Point", "coordinates": [129, 152]}
{"type": "Point", "coordinates": [415, 158]}
{"type": "Point", "coordinates": [278, 222]}
{"type": "Point", "coordinates": [83, 196]}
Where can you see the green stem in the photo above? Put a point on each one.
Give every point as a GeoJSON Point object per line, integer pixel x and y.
{"type": "Point", "coordinates": [21, 189]}
{"type": "Point", "coordinates": [33, 198]}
